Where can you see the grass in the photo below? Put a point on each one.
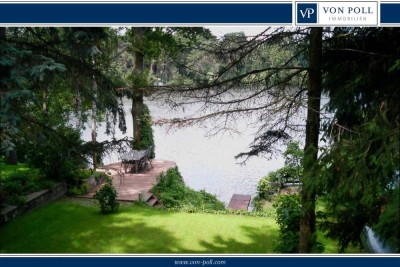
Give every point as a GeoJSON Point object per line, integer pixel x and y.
{"type": "Point", "coordinates": [69, 227]}
{"type": "Point", "coordinates": [65, 227]}
{"type": "Point", "coordinates": [9, 170]}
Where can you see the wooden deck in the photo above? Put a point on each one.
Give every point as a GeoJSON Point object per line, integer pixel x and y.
{"type": "Point", "coordinates": [135, 183]}
{"type": "Point", "coordinates": [239, 202]}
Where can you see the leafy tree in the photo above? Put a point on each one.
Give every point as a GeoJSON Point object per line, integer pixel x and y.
{"type": "Point", "coordinates": [195, 64]}
{"type": "Point", "coordinates": [49, 69]}
{"type": "Point", "coordinates": [291, 172]}
{"type": "Point", "coordinates": [293, 156]}
{"type": "Point", "coordinates": [23, 71]}
{"type": "Point", "coordinates": [8, 117]}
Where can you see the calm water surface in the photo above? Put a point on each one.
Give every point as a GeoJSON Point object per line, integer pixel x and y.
{"type": "Point", "coordinates": [204, 162]}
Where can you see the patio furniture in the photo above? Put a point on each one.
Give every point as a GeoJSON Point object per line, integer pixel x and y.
{"type": "Point", "coordinates": [114, 172]}
{"type": "Point", "coordinates": [132, 159]}
{"type": "Point", "coordinates": [145, 162]}
{"type": "Point", "coordinates": [121, 177]}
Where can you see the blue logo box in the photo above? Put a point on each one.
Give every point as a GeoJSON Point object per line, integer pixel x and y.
{"type": "Point", "coordinates": [307, 13]}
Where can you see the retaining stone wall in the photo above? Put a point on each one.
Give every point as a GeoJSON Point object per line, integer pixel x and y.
{"type": "Point", "coordinates": [33, 201]}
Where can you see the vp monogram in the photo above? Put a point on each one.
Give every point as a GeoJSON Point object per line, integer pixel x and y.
{"type": "Point", "coordinates": [307, 12]}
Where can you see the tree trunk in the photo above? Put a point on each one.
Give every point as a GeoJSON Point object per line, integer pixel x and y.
{"type": "Point", "coordinates": [45, 97]}
{"type": "Point", "coordinates": [307, 222]}
{"type": "Point", "coordinates": [94, 121]}
{"type": "Point", "coordinates": [154, 68]}
{"type": "Point", "coordinates": [12, 158]}
{"type": "Point", "coordinates": [137, 98]}
{"type": "Point", "coordinates": [78, 100]}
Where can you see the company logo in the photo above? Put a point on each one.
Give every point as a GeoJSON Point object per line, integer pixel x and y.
{"type": "Point", "coordinates": [337, 13]}
{"type": "Point", "coordinates": [307, 13]}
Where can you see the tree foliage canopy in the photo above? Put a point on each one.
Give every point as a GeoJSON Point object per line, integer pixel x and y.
{"type": "Point", "coordinates": [360, 168]}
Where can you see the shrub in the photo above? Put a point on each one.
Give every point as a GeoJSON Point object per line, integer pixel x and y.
{"type": "Point", "coordinates": [77, 186]}
{"type": "Point", "coordinates": [290, 173]}
{"type": "Point", "coordinates": [58, 155]}
{"type": "Point", "coordinates": [17, 200]}
{"type": "Point", "coordinates": [171, 188]}
{"type": "Point", "coordinates": [210, 201]}
{"type": "Point", "coordinates": [101, 175]}
{"type": "Point", "coordinates": [173, 193]}
{"type": "Point", "coordinates": [264, 188]}
{"type": "Point", "coordinates": [83, 189]}
{"type": "Point", "coordinates": [107, 197]}
{"type": "Point", "coordinates": [46, 184]}
{"type": "Point", "coordinates": [288, 214]}
{"type": "Point", "coordinates": [16, 186]}
{"type": "Point", "coordinates": [246, 213]}
{"type": "Point", "coordinates": [83, 174]}
{"type": "Point", "coordinates": [258, 203]}
{"type": "Point", "coordinates": [19, 180]}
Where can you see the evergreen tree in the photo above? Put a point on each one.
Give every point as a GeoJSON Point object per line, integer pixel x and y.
{"type": "Point", "coordinates": [360, 168]}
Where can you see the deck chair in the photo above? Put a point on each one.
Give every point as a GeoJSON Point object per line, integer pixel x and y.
{"type": "Point", "coordinates": [125, 163]}
{"type": "Point", "coordinates": [115, 171]}
{"type": "Point", "coordinates": [145, 162]}
{"type": "Point", "coordinates": [121, 176]}
{"type": "Point", "coordinates": [148, 156]}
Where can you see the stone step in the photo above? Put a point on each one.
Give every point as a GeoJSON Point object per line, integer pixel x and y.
{"type": "Point", "coordinates": [152, 201]}
{"type": "Point", "coordinates": [146, 196]}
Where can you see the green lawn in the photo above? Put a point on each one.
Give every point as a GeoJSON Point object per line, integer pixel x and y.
{"type": "Point", "coordinates": [69, 227]}
{"type": "Point", "coordinates": [65, 227]}
{"type": "Point", "coordinates": [8, 170]}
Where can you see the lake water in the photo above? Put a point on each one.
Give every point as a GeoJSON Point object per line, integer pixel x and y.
{"type": "Point", "coordinates": [204, 162]}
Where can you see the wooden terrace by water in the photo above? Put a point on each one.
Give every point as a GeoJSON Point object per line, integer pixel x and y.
{"type": "Point", "coordinates": [133, 184]}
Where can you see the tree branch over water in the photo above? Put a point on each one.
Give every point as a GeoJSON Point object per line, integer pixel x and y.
{"type": "Point", "coordinates": [261, 79]}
